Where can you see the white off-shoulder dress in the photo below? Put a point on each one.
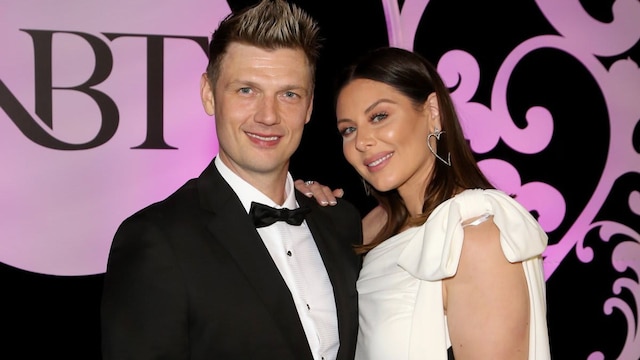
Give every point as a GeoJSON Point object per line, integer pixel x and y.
{"type": "Point", "coordinates": [400, 284]}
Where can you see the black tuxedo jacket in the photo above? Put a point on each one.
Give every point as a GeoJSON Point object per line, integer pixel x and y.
{"type": "Point", "coordinates": [190, 278]}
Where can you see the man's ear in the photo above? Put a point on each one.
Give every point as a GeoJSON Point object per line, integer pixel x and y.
{"type": "Point", "coordinates": [309, 111]}
{"type": "Point", "coordinates": [206, 94]}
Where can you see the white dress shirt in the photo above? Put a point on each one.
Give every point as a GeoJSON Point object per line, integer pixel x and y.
{"type": "Point", "coordinates": [296, 256]}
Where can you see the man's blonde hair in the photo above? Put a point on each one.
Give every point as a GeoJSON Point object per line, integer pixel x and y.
{"type": "Point", "coordinates": [270, 24]}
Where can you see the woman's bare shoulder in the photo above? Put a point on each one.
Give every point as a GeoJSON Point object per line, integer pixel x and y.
{"type": "Point", "coordinates": [372, 223]}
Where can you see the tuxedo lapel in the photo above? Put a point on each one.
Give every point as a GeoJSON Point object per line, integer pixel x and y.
{"type": "Point", "coordinates": [231, 226]}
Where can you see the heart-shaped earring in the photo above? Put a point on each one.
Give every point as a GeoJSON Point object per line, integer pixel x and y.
{"type": "Point", "coordinates": [436, 133]}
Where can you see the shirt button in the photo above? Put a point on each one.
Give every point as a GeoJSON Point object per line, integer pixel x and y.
{"type": "Point", "coordinates": [289, 253]}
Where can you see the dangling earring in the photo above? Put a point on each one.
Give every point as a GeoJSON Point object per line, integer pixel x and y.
{"type": "Point", "coordinates": [436, 133]}
{"type": "Point", "coordinates": [367, 187]}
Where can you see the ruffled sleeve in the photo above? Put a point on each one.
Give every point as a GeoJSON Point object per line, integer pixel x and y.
{"type": "Point", "coordinates": [434, 250]}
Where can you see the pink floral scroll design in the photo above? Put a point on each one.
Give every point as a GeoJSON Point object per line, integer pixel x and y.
{"type": "Point", "coordinates": [585, 39]}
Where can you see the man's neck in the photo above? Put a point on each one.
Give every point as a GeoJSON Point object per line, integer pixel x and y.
{"type": "Point", "coordinates": [272, 184]}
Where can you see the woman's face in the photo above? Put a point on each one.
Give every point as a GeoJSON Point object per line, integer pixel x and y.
{"type": "Point", "coordinates": [384, 136]}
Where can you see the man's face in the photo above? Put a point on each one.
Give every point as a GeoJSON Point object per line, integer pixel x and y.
{"type": "Point", "coordinates": [261, 100]}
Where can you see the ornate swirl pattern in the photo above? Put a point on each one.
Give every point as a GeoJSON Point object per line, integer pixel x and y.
{"type": "Point", "coordinates": [585, 39]}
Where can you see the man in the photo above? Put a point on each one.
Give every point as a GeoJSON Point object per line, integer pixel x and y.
{"type": "Point", "coordinates": [194, 276]}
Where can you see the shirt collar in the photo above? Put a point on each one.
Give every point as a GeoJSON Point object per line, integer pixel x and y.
{"type": "Point", "coordinates": [247, 193]}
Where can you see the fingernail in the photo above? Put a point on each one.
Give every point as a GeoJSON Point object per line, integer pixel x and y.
{"type": "Point", "coordinates": [324, 202]}
{"type": "Point", "coordinates": [333, 202]}
{"type": "Point", "coordinates": [309, 194]}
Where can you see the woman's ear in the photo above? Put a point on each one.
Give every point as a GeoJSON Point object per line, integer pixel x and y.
{"type": "Point", "coordinates": [432, 110]}
{"type": "Point", "coordinates": [206, 94]}
{"type": "Point", "coordinates": [432, 107]}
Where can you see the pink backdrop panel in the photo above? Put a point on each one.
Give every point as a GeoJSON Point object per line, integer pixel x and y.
{"type": "Point", "coordinates": [60, 208]}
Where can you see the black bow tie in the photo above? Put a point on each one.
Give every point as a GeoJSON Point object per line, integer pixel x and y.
{"type": "Point", "coordinates": [264, 215]}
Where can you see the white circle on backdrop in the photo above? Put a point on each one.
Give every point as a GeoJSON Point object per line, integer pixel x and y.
{"type": "Point", "coordinates": [59, 209]}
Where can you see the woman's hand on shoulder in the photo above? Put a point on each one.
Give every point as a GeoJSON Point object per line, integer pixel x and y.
{"type": "Point", "coordinates": [323, 194]}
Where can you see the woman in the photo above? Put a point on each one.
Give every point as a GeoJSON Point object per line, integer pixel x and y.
{"type": "Point", "coordinates": [452, 267]}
